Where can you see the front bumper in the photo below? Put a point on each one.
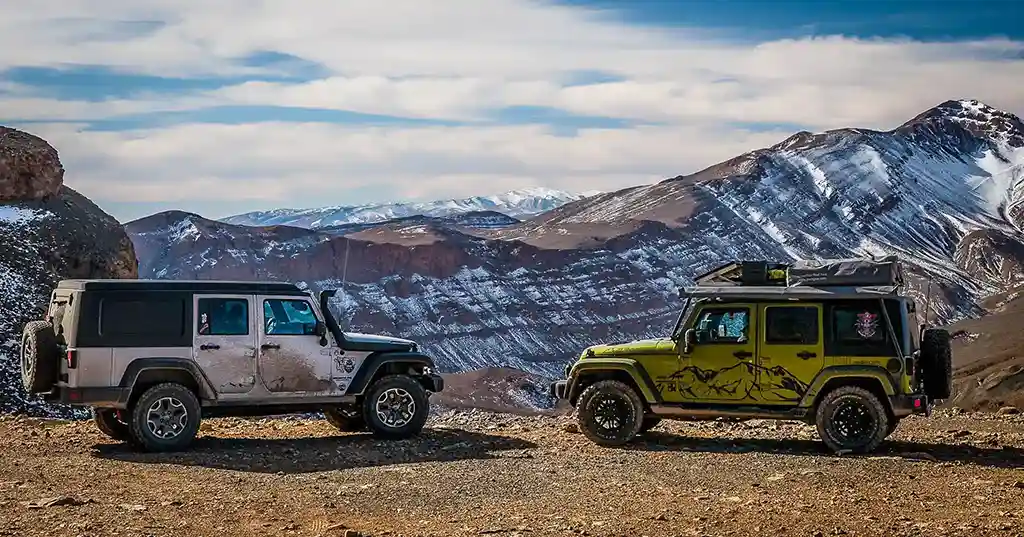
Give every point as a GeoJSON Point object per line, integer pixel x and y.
{"type": "Point", "coordinates": [435, 382]}
{"type": "Point", "coordinates": [557, 389]}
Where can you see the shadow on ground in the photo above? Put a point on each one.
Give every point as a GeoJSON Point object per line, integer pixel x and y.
{"type": "Point", "coordinates": [994, 457]}
{"type": "Point", "coordinates": [319, 454]}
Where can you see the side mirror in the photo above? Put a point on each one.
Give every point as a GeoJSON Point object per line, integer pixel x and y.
{"type": "Point", "coordinates": [689, 339]}
{"type": "Point", "coordinates": [321, 330]}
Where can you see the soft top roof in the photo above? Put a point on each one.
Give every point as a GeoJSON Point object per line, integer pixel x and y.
{"type": "Point", "coordinates": [202, 286]}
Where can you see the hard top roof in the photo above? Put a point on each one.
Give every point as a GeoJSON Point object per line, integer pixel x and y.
{"type": "Point", "coordinates": [205, 286]}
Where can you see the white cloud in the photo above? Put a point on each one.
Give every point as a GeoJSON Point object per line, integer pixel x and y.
{"type": "Point", "coordinates": [459, 60]}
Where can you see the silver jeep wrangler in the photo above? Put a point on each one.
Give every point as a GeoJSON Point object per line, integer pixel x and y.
{"type": "Point", "coordinates": [153, 357]}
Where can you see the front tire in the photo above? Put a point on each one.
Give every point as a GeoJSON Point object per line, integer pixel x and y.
{"type": "Point", "coordinates": [165, 418]}
{"type": "Point", "coordinates": [396, 407]}
{"type": "Point", "coordinates": [610, 413]}
{"type": "Point", "coordinates": [852, 419]}
{"type": "Point", "coordinates": [110, 424]}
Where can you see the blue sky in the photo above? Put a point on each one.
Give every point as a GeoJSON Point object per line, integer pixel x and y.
{"type": "Point", "coordinates": [224, 107]}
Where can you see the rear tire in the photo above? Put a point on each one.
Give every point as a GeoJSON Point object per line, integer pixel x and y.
{"type": "Point", "coordinates": [396, 407]}
{"type": "Point", "coordinates": [345, 418]}
{"type": "Point", "coordinates": [610, 413]}
{"type": "Point", "coordinates": [937, 363]}
{"type": "Point", "coordinates": [165, 418]}
{"type": "Point", "coordinates": [40, 357]}
{"type": "Point", "coordinates": [852, 419]}
{"type": "Point", "coordinates": [108, 422]}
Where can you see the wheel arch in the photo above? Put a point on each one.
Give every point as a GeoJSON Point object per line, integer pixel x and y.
{"type": "Point", "coordinates": [143, 373]}
{"type": "Point", "coordinates": [875, 380]}
{"type": "Point", "coordinates": [380, 364]}
{"type": "Point", "coordinates": [624, 370]}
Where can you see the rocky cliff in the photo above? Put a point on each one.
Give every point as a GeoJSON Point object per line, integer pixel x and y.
{"type": "Point", "coordinates": [944, 191]}
{"type": "Point", "coordinates": [48, 232]}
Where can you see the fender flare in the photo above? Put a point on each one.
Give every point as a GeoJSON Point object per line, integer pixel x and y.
{"type": "Point", "coordinates": [139, 366]}
{"type": "Point", "coordinates": [375, 361]}
{"type": "Point", "coordinates": [648, 389]}
{"type": "Point", "coordinates": [841, 372]}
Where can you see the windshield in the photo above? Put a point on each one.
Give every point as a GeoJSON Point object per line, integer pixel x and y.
{"type": "Point", "coordinates": [687, 309]}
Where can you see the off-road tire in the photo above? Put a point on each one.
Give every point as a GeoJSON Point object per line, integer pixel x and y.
{"type": "Point", "coordinates": [395, 393]}
{"type": "Point", "coordinates": [40, 357]}
{"type": "Point", "coordinates": [592, 409]}
{"type": "Point", "coordinates": [831, 424]}
{"type": "Point", "coordinates": [345, 418]}
{"type": "Point", "coordinates": [937, 363]}
{"type": "Point", "coordinates": [138, 414]}
{"type": "Point", "coordinates": [108, 423]}
{"type": "Point", "coordinates": [649, 423]}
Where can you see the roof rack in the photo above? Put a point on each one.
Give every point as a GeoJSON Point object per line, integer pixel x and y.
{"type": "Point", "coordinates": [827, 273]}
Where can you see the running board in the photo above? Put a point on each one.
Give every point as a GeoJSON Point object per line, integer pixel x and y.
{"type": "Point", "coordinates": [672, 411]}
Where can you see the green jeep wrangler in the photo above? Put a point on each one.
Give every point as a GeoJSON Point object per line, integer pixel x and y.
{"type": "Point", "coordinates": [832, 343]}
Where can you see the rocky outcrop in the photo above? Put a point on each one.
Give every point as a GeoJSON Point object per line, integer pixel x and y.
{"type": "Point", "coordinates": [29, 167]}
{"type": "Point", "coordinates": [49, 232]}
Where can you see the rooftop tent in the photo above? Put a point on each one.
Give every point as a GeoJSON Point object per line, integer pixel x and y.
{"type": "Point", "coordinates": [847, 272]}
{"type": "Point", "coordinates": [807, 273]}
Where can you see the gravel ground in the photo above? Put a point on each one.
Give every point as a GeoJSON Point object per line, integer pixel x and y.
{"type": "Point", "coordinates": [475, 473]}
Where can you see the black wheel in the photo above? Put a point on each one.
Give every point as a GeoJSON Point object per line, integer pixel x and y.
{"type": "Point", "coordinates": [396, 407]}
{"type": "Point", "coordinates": [40, 357]}
{"type": "Point", "coordinates": [610, 413]}
{"type": "Point", "coordinates": [649, 423]}
{"type": "Point", "coordinates": [937, 363]}
{"type": "Point", "coordinates": [110, 423]}
{"type": "Point", "coordinates": [345, 418]}
{"type": "Point", "coordinates": [165, 418]}
{"type": "Point", "coordinates": [852, 419]}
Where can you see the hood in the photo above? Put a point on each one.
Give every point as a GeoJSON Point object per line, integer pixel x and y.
{"type": "Point", "coordinates": [643, 346]}
{"type": "Point", "coordinates": [373, 338]}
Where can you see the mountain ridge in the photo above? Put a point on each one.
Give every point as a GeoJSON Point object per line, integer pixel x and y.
{"type": "Point", "coordinates": [942, 190]}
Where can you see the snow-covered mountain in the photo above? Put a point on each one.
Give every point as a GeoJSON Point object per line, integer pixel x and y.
{"type": "Point", "coordinates": [516, 203]}
{"type": "Point", "coordinates": [944, 191]}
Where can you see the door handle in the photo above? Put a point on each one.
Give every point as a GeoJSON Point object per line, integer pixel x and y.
{"type": "Point", "coordinates": [208, 346]}
{"type": "Point", "coordinates": [743, 354]}
{"type": "Point", "coordinates": [807, 355]}
{"type": "Point", "coordinates": [266, 346]}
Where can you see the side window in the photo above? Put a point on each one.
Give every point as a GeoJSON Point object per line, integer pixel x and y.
{"type": "Point", "coordinates": [859, 325]}
{"type": "Point", "coordinates": [723, 325]}
{"type": "Point", "coordinates": [791, 325]}
{"type": "Point", "coordinates": [223, 317]}
{"type": "Point", "coordinates": [284, 317]}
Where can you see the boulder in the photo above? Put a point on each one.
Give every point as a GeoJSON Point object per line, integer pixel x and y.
{"type": "Point", "coordinates": [49, 232]}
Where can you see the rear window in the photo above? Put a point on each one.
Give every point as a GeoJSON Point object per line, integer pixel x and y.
{"type": "Point", "coordinates": [126, 317]}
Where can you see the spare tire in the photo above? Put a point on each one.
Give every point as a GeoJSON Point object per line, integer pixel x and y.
{"type": "Point", "coordinates": [40, 357]}
{"type": "Point", "coordinates": [937, 363]}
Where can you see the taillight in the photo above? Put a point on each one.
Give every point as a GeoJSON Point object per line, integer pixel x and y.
{"type": "Point", "coordinates": [72, 358]}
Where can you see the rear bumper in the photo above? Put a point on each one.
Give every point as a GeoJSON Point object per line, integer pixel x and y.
{"type": "Point", "coordinates": [905, 405]}
{"type": "Point", "coordinates": [95, 397]}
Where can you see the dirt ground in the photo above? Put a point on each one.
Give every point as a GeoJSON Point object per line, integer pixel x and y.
{"type": "Point", "coordinates": [474, 473]}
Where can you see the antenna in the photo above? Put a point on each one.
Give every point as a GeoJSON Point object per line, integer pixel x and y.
{"type": "Point", "coordinates": [344, 269]}
{"type": "Point", "coordinates": [927, 307]}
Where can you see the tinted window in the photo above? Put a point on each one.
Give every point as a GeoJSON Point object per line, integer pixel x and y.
{"type": "Point", "coordinates": [223, 317]}
{"type": "Point", "coordinates": [723, 325]}
{"type": "Point", "coordinates": [791, 325]}
{"type": "Point", "coordinates": [863, 324]}
{"type": "Point", "coordinates": [124, 317]}
{"type": "Point", "coordinates": [288, 317]}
